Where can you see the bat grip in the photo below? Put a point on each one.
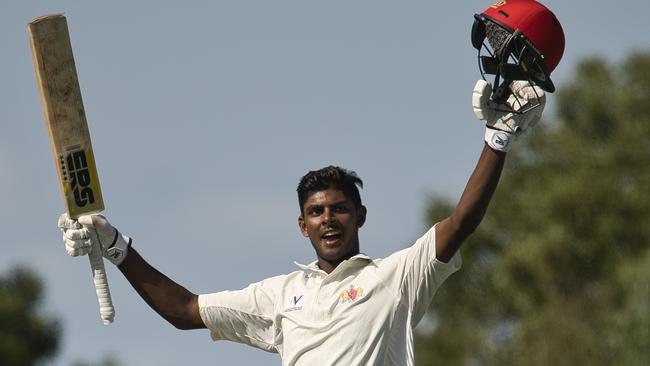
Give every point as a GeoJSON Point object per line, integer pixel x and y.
{"type": "Point", "coordinates": [106, 309]}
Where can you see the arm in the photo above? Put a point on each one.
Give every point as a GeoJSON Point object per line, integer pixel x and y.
{"type": "Point", "coordinates": [172, 301]}
{"type": "Point", "coordinates": [452, 231]}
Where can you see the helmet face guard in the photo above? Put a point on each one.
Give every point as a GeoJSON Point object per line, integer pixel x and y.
{"type": "Point", "coordinates": [520, 35]}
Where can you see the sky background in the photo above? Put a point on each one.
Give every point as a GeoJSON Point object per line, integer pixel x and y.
{"type": "Point", "coordinates": [205, 114]}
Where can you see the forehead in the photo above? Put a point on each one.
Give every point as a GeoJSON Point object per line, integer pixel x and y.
{"type": "Point", "coordinates": [326, 197]}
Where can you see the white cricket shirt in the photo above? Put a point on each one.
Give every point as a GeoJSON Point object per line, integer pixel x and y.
{"type": "Point", "coordinates": [362, 313]}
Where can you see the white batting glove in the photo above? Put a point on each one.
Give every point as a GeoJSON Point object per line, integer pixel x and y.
{"type": "Point", "coordinates": [75, 237]}
{"type": "Point", "coordinates": [79, 234]}
{"type": "Point", "coordinates": [503, 125]}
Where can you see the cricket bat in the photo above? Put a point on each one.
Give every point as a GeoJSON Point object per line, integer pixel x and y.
{"type": "Point", "coordinates": [56, 76]}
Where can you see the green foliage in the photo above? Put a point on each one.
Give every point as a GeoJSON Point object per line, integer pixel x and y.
{"type": "Point", "coordinates": [558, 273]}
{"type": "Point", "coordinates": [26, 335]}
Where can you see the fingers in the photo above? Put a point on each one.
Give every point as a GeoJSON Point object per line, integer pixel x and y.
{"type": "Point", "coordinates": [80, 234]}
{"type": "Point", "coordinates": [77, 241]}
{"type": "Point", "coordinates": [99, 223]}
{"type": "Point", "coordinates": [529, 101]}
{"type": "Point", "coordinates": [65, 223]}
{"type": "Point", "coordinates": [78, 247]}
{"type": "Point", "coordinates": [75, 237]}
{"type": "Point", "coordinates": [87, 220]}
{"type": "Point", "coordinates": [524, 89]}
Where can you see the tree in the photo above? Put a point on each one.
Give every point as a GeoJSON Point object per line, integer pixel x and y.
{"type": "Point", "coordinates": [559, 271]}
{"type": "Point", "coordinates": [26, 335]}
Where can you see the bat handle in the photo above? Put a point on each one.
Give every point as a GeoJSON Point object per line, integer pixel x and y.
{"type": "Point", "coordinates": [106, 309]}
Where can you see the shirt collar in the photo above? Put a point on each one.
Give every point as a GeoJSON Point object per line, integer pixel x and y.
{"type": "Point", "coordinates": [313, 266]}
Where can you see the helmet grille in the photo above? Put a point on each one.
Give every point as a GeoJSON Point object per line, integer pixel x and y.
{"type": "Point", "coordinates": [497, 37]}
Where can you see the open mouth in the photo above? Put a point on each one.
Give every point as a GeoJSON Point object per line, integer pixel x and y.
{"type": "Point", "coordinates": [331, 237]}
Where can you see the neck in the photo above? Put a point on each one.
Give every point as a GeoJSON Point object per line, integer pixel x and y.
{"type": "Point", "coordinates": [329, 266]}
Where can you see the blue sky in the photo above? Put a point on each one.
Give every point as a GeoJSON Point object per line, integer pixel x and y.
{"type": "Point", "coordinates": [205, 114]}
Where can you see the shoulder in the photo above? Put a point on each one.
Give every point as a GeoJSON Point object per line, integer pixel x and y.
{"type": "Point", "coordinates": [263, 293]}
{"type": "Point", "coordinates": [276, 285]}
{"type": "Point", "coordinates": [281, 280]}
{"type": "Point", "coordinates": [425, 245]}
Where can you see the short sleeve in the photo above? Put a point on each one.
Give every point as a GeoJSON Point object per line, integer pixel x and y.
{"type": "Point", "coordinates": [423, 273]}
{"type": "Point", "coordinates": [245, 316]}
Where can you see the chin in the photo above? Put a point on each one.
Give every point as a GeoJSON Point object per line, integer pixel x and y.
{"type": "Point", "coordinates": [336, 255]}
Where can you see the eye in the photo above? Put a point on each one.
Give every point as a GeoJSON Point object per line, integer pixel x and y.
{"type": "Point", "coordinates": [341, 209]}
{"type": "Point", "coordinates": [315, 211]}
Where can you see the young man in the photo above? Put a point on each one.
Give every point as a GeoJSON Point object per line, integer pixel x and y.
{"type": "Point", "coordinates": [344, 308]}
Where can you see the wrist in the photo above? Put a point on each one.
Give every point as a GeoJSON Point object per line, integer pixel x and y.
{"type": "Point", "coordinates": [498, 140]}
{"type": "Point", "coordinates": [119, 248]}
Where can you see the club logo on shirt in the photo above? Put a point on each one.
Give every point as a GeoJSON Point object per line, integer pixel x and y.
{"type": "Point", "coordinates": [296, 300]}
{"type": "Point", "coordinates": [351, 294]}
{"type": "Point", "coordinates": [295, 303]}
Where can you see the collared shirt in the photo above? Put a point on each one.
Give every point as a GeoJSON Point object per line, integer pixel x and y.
{"type": "Point", "coordinates": [362, 313]}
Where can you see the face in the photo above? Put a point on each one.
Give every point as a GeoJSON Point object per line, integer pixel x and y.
{"type": "Point", "coordinates": [331, 222]}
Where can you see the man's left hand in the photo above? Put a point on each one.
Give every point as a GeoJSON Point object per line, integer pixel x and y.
{"type": "Point", "coordinates": [522, 110]}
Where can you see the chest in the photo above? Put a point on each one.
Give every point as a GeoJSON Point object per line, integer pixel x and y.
{"type": "Point", "coordinates": [323, 302]}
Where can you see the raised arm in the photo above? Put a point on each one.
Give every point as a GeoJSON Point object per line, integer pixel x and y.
{"type": "Point", "coordinates": [452, 231]}
{"type": "Point", "coordinates": [502, 127]}
{"type": "Point", "coordinates": [172, 301]}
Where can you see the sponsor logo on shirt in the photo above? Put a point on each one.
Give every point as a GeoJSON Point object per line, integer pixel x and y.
{"type": "Point", "coordinates": [295, 303]}
{"type": "Point", "coordinates": [352, 294]}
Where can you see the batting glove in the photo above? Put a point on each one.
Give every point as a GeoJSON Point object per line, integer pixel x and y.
{"type": "Point", "coordinates": [504, 123]}
{"type": "Point", "coordinates": [79, 234]}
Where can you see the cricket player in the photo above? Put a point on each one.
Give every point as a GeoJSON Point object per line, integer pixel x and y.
{"type": "Point", "coordinates": [345, 308]}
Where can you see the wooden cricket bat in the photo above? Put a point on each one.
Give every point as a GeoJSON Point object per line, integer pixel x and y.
{"type": "Point", "coordinates": [56, 76]}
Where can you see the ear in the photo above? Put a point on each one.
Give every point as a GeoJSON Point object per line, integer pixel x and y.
{"type": "Point", "coordinates": [302, 226]}
{"type": "Point", "coordinates": [361, 216]}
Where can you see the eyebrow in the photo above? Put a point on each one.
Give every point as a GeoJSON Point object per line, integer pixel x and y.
{"type": "Point", "coordinates": [337, 203]}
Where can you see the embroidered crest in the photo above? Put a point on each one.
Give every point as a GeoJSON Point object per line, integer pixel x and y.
{"type": "Point", "coordinates": [351, 294]}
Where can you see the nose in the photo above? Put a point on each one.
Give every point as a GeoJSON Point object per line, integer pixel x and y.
{"type": "Point", "coordinates": [328, 216]}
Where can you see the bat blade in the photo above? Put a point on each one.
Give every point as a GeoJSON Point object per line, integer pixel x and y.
{"type": "Point", "coordinates": [65, 117]}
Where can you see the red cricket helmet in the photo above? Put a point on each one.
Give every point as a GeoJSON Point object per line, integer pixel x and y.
{"type": "Point", "coordinates": [524, 32]}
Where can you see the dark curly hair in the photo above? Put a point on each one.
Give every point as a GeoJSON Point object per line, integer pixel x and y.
{"type": "Point", "coordinates": [332, 176]}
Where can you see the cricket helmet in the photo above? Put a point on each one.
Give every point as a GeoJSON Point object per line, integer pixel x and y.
{"type": "Point", "coordinates": [525, 41]}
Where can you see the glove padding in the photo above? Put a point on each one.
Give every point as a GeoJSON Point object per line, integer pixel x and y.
{"type": "Point", "coordinates": [500, 117]}
{"type": "Point", "coordinates": [79, 234]}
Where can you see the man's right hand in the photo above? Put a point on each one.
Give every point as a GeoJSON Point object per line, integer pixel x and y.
{"type": "Point", "coordinates": [79, 234]}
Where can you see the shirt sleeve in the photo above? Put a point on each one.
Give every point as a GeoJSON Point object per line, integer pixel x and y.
{"type": "Point", "coordinates": [245, 316]}
{"type": "Point", "coordinates": [422, 273]}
